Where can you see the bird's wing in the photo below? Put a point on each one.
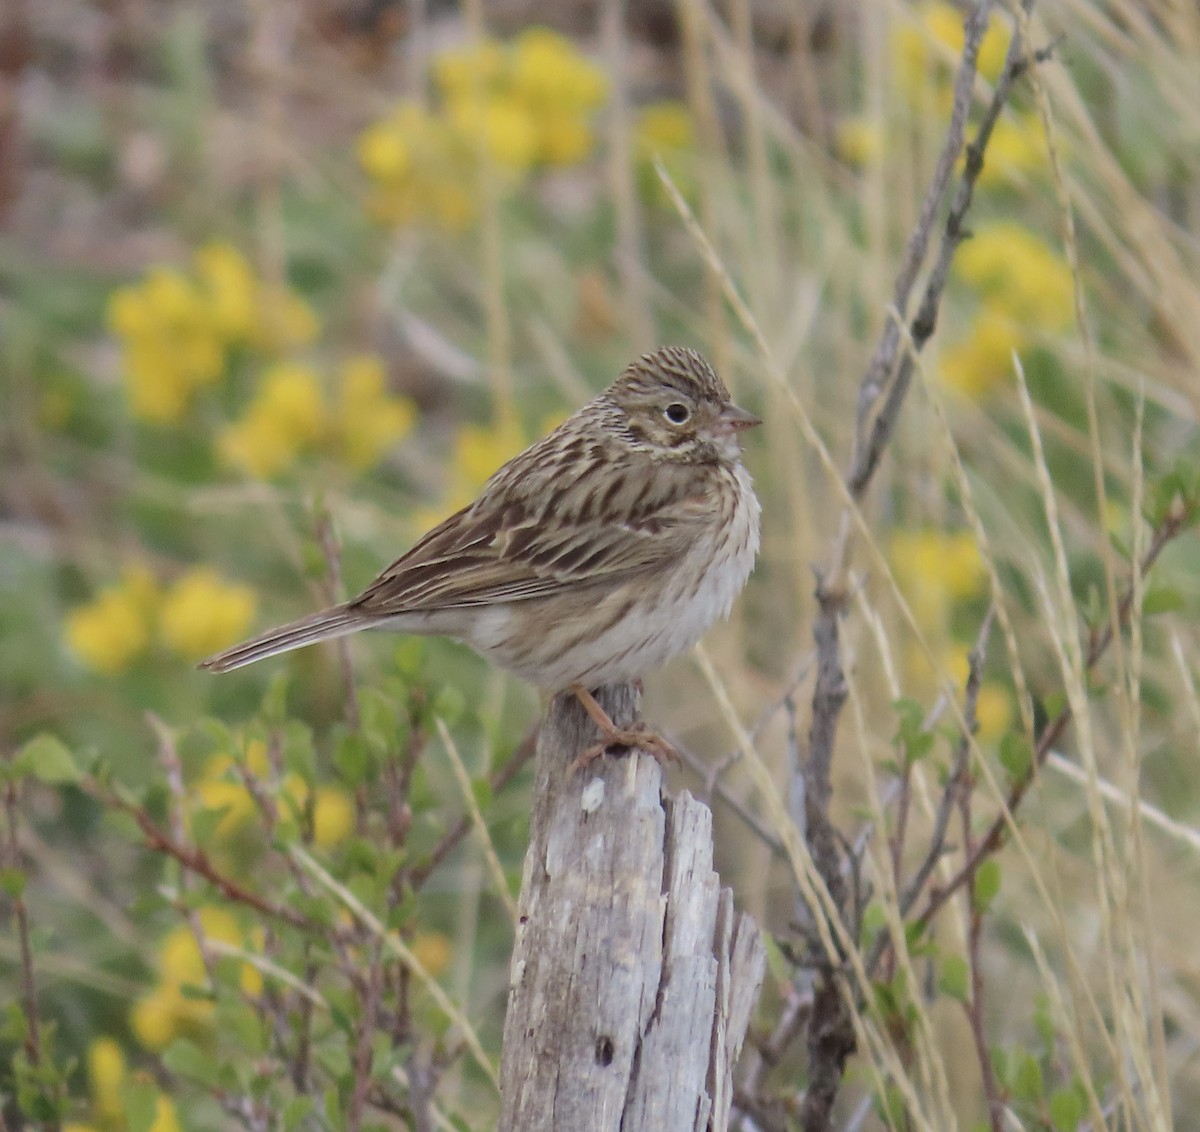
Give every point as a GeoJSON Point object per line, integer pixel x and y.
{"type": "Point", "coordinates": [533, 536]}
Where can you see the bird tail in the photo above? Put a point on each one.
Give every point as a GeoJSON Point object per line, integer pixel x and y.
{"type": "Point", "coordinates": [329, 623]}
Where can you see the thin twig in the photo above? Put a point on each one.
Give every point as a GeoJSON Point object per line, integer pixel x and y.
{"type": "Point", "coordinates": [831, 1037]}
{"type": "Point", "coordinates": [954, 231]}
{"type": "Point", "coordinates": [499, 779]}
{"type": "Point", "coordinates": [1098, 643]}
{"type": "Point", "coordinates": [958, 770]}
{"type": "Point", "coordinates": [974, 1005]}
{"type": "Point", "coordinates": [33, 1031]}
{"type": "Point", "coordinates": [364, 1039]}
{"type": "Point", "coordinates": [196, 861]}
{"type": "Point", "coordinates": [882, 364]}
{"type": "Point", "coordinates": [332, 554]}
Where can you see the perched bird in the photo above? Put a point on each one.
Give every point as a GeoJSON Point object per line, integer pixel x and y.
{"type": "Point", "coordinates": [593, 557]}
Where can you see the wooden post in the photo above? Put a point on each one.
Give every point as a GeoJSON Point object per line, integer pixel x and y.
{"type": "Point", "coordinates": [632, 977]}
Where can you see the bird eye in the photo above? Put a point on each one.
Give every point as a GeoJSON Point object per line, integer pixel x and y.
{"type": "Point", "coordinates": [677, 412]}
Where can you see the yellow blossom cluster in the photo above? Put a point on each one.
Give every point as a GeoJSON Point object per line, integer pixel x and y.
{"type": "Point", "coordinates": [525, 104]}
{"type": "Point", "coordinates": [1025, 289]}
{"type": "Point", "coordinates": [664, 131]}
{"type": "Point", "coordinates": [108, 1078]}
{"type": "Point", "coordinates": [195, 616]}
{"type": "Point", "coordinates": [289, 417]}
{"type": "Point", "coordinates": [170, 1010]}
{"type": "Point", "coordinates": [926, 48]}
{"type": "Point", "coordinates": [936, 571]}
{"type": "Point", "coordinates": [1016, 150]}
{"type": "Point", "coordinates": [177, 329]}
{"type": "Point", "coordinates": [222, 788]}
{"type": "Point", "coordinates": [478, 451]}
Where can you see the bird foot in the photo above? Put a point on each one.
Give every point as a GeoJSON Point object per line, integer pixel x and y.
{"type": "Point", "coordinates": [637, 737]}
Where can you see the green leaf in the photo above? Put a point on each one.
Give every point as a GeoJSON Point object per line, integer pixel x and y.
{"type": "Point", "coordinates": [352, 759]}
{"type": "Point", "coordinates": [1043, 1021]}
{"type": "Point", "coordinates": [954, 978]}
{"type": "Point", "coordinates": [482, 791]}
{"type": "Point", "coordinates": [889, 1106]}
{"type": "Point", "coordinates": [874, 919]}
{"type": "Point", "coordinates": [205, 824]}
{"type": "Point", "coordinates": [1162, 599]}
{"type": "Point", "coordinates": [140, 1100]}
{"type": "Point", "coordinates": [1027, 1083]}
{"type": "Point", "coordinates": [274, 702]}
{"type": "Point", "coordinates": [919, 745]}
{"type": "Point", "coordinates": [187, 1060]}
{"type": "Point", "coordinates": [14, 1027]}
{"type": "Point", "coordinates": [410, 657]}
{"type": "Point", "coordinates": [1067, 1107]}
{"type": "Point", "coordinates": [987, 884]}
{"type": "Point", "coordinates": [1016, 756]}
{"type": "Point", "coordinates": [449, 704]}
{"type": "Point", "coordinates": [12, 882]}
{"type": "Point", "coordinates": [295, 1111]}
{"type": "Point", "coordinates": [333, 1109]}
{"type": "Point", "coordinates": [46, 758]}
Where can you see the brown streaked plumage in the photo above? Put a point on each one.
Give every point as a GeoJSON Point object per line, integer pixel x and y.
{"type": "Point", "coordinates": [596, 555]}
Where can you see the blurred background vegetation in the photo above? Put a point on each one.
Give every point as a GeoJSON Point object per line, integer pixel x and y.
{"type": "Point", "coordinates": [282, 283]}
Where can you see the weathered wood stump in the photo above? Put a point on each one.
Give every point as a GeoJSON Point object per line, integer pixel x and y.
{"type": "Point", "coordinates": [632, 978]}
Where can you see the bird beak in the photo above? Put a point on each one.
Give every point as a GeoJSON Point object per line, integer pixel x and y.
{"type": "Point", "coordinates": [734, 419]}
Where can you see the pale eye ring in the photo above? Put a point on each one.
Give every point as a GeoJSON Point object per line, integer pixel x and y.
{"type": "Point", "coordinates": [677, 412]}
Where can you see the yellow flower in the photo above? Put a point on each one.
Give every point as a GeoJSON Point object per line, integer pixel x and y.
{"type": "Point", "coordinates": [231, 797]}
{"type": "Point", "coordinates": [565, 138]}
{"type": "Point", "coordinates": [479, 451]}
{"type": "Point", "coordinates": [925, 52]}
{"type": "Point", "coordinates": [284, 321]}
{"type": "Point", "coordinates": [383, 152]}
{"type": "Point", "coordinates": [984, 359]}
{"type": "Point", "coordinates": [106, 1075]}
{"type": "Point", "coordinates": [333, 816]}
{"type": "Point", "coordinates": [171, 345]}
{"type": "Point", "coordinates": [421, 165]}
{"type": "Point", "coordinates": [508, 129]}
{"type": "Point", "coordinates": [548, 71]}
{"type": "Point", "coordinates": [165, 1117]}
{"type": "Point", "coordinates": [221, 788]}
{"type": "Point", "coordinates": [528, 103]}
{"type": "Point", "coordinates": [176, 330]}
{"type": "Point", "coordinates": [994, 711]}
{"type": "Point", "coordinates": [369, 419]}
{"type": "Point", "coordinates": [1017, 148]}
{"type": "Point", "coordinates": [433, 951]}
{"type": "Point", "coordinates": [165, 1013]}
{"type": "Point", "coordinates": [934, 569]}
{"type": "Point", "coordinates": [114, 629]}
{"type": "Point", "coordinates": [663, 126]}
{"type": "Point", "coordinates": [230, 288]}
{"type": "Point", "coordinates": [286, 417]}
{"type": "Point", "coordinates": [1020, 275]}
{"type": "Point", "coordinates": [858, 140]}
{"type": "Point", "coordinates": [291, 395]}
{"type": "Point", "coordinates": [201, 613]}
{"type": "Point", "coordinates": [666, 132]}
{"type": "Point", "coordinates": [469, 70]}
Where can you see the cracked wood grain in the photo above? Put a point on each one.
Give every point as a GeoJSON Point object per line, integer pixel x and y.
{"type": "Point", "coordinates": [632, 978]}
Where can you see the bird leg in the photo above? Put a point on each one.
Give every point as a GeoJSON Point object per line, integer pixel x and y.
{"type": "Point", "coordinates": [636, 737]}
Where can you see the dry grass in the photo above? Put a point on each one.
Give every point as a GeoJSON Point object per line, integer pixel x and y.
{"type": "Point", "coordinates": [779, 263]}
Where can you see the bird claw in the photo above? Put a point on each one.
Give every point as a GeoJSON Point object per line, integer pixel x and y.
{"type": "Point", "coordinates": [638, 737]}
